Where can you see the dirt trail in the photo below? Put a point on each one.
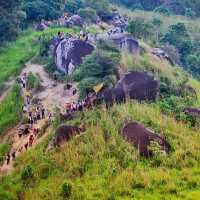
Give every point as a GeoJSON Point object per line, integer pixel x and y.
{"type": "Point", "coordinates": [53, 95]}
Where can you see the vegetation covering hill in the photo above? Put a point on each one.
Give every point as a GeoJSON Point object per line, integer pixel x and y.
{"type": "Point", "coordinates": [100, 164]}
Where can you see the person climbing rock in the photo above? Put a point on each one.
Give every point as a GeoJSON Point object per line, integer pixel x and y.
{"type": "Point", "coordinates": [8, 159]}
{"type": "Point", "coordinates": [31, 138]}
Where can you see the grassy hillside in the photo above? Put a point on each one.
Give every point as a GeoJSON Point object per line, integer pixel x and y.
{"type": "Point", "coordinates": [12, 61]}
{"type": "Point", "coordinates": [101, 165]}
{"type": "Point", "coordinates": [193, 25]}
{"type": "Point", "coordinates": [13, 58]}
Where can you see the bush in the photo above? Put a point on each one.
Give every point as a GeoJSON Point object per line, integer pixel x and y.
{"type": "Point", "coordinates": [88, 14]}
{"type": "Point", "coordinates": [139, 28]}
{"type": "Point", "coordinates": [27, 173]}
{"type": "Point", "coordinates": [4, 148]}
{"type": "Point", "coordinates": [163, 10]}
{"type": "Point", "coordinates": [97, 68]}
{"type": "Point", "coordinates": [66, 190]}
{"type": "Point", "coordinates": [33, 83]}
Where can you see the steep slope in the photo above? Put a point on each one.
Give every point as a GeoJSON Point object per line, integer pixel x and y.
{"type": "Point", "coordinates": [99, 164]}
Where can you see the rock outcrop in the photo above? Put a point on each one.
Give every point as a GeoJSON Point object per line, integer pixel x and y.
{"type": "Point", "coordinates": [140, 137]}
{"type": "Point", "coordinates": [74, 20]}
{"type": "Point", "coordinates": [162, 55]}
{"type": "Point", "coordinates": [63, 134]}
{"type": "Point", "coordinates": [126, 42]}
{"type": "Point", "coordinates": [133, 85]}
{"type": "Point", "coordinates": [69, 54]}
{"type": "Point", "coordinates": [194, 112]}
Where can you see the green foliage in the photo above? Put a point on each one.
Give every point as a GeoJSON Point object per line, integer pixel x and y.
{"type": "Point", "coordinates": [66, 191]}
{"type": "Point", "coordinates": [140, 29]}
{"type": "Point", "coordinates": [178, 7]}
{"type": "Point", "coordinates": [33, 83]}
{"type": "Point", "coordinates": [27, 173]}
{"type": "Point", "coordinates": [4, 149]}
{"type": "Point", "coordinates": [193, 63]}
{"type": "Point", "coordinates": [163, 10]}
{"type": "Point", "coordinates": [43, 9]}
{"type": "Point", "coordinates": [11, 109]}
{"type": "Point", "coordinates": [99, 67]}
{"type": "Point", "coordinates": [178, 36]}
{"type": "Point", "coordinates": [10, 19]}
{"type": "Point", "coordinates": [88, 14]}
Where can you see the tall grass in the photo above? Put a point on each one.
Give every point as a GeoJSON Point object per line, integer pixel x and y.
{"type": "Point", "coordinates": [15, 54]}
{"type": "Point", "coordinates": [100, 165]}
{"type": "Point", "coordinates": [12, 60]}
{"type": "Point", "coordinates": [11, 109]}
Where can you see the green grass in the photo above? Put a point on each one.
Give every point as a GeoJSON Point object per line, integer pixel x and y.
{"type": "Point", "coordinates": [11, 109]}
{"type": "Point", "coordinates": [12, 61]}
{"type": "Point", "coordinates": [101, 165]}
{"type": "Point", "coordinates": [4, 148]}
{"type": "Point", "coordinates": [13, 58]}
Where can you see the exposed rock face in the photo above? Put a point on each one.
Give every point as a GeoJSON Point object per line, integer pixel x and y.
{"type": "Point", "coordinates": [133, 85]}
{"type": "Point", "coordinates": [126, 42]}
{"type": "Point", "coordinates": [162, 55]}
{"type": "Point", "coordinates": [74, 20]}
{"type": "Point", "coordinates": [63, 134]}
{"type": "Point", "coordinates": [137, 135]}
{"type": "Point", "coordinates": [139, 85]}
{"type": "Point", "coordinates": [194, 112]}
{"type": "Point", "coordinates": [69, 54]}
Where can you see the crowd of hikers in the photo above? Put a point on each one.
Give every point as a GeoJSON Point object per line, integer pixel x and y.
{"type": "Point", "coordinates": [34, 113]}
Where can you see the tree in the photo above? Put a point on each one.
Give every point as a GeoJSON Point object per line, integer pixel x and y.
{"type": "Point", "coordinates": [139, 28]}
{"type": "Point", "coordinates": [88, 14]}
{"type": "Point", "coordinates": [178, 36]}
{"type": "Point", "coordinates": [193, 63]}
{"type": "Point", "coordinates": [10, 19]}
{"type": "Point", "coordinates": [99, 67]}
{"type": "Point", "coordinates": [43, 9]}
{"type": "Point", "coordinates": [157, 22]}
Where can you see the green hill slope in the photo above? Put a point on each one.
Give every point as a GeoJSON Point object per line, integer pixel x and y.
{"type": "Point", "coordinates": [100, 165]}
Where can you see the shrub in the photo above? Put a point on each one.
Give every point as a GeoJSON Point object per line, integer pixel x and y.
{"type": "Point", "coordinates": [88, 14]}
{"type": "Point", "coordinates": [33, 83]}
{"type": "Point", "coordinates": [139, 28]}
{"type": "Point", "coordinates": [27, 173]}
{"type": "Point", "coordinates": [66, 190]}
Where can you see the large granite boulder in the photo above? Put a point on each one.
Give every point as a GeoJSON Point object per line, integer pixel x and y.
{"type": "Point", "coordinates": [141, 138]}
{"type": "Point", "coordinates": [139, 85]}
{"type": "Point", "coordinates": [63, 134]}
{"type": "Point", "coordinates": [133, 85]}
{"type": "Point", "coordinates": [160, 53]}
{"type": "Point", "coordinates": [126, 42]}
{"type": "Point", "coordinates": [69, 54]}
{"type": "Point", "coordinates": [74, 20]}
